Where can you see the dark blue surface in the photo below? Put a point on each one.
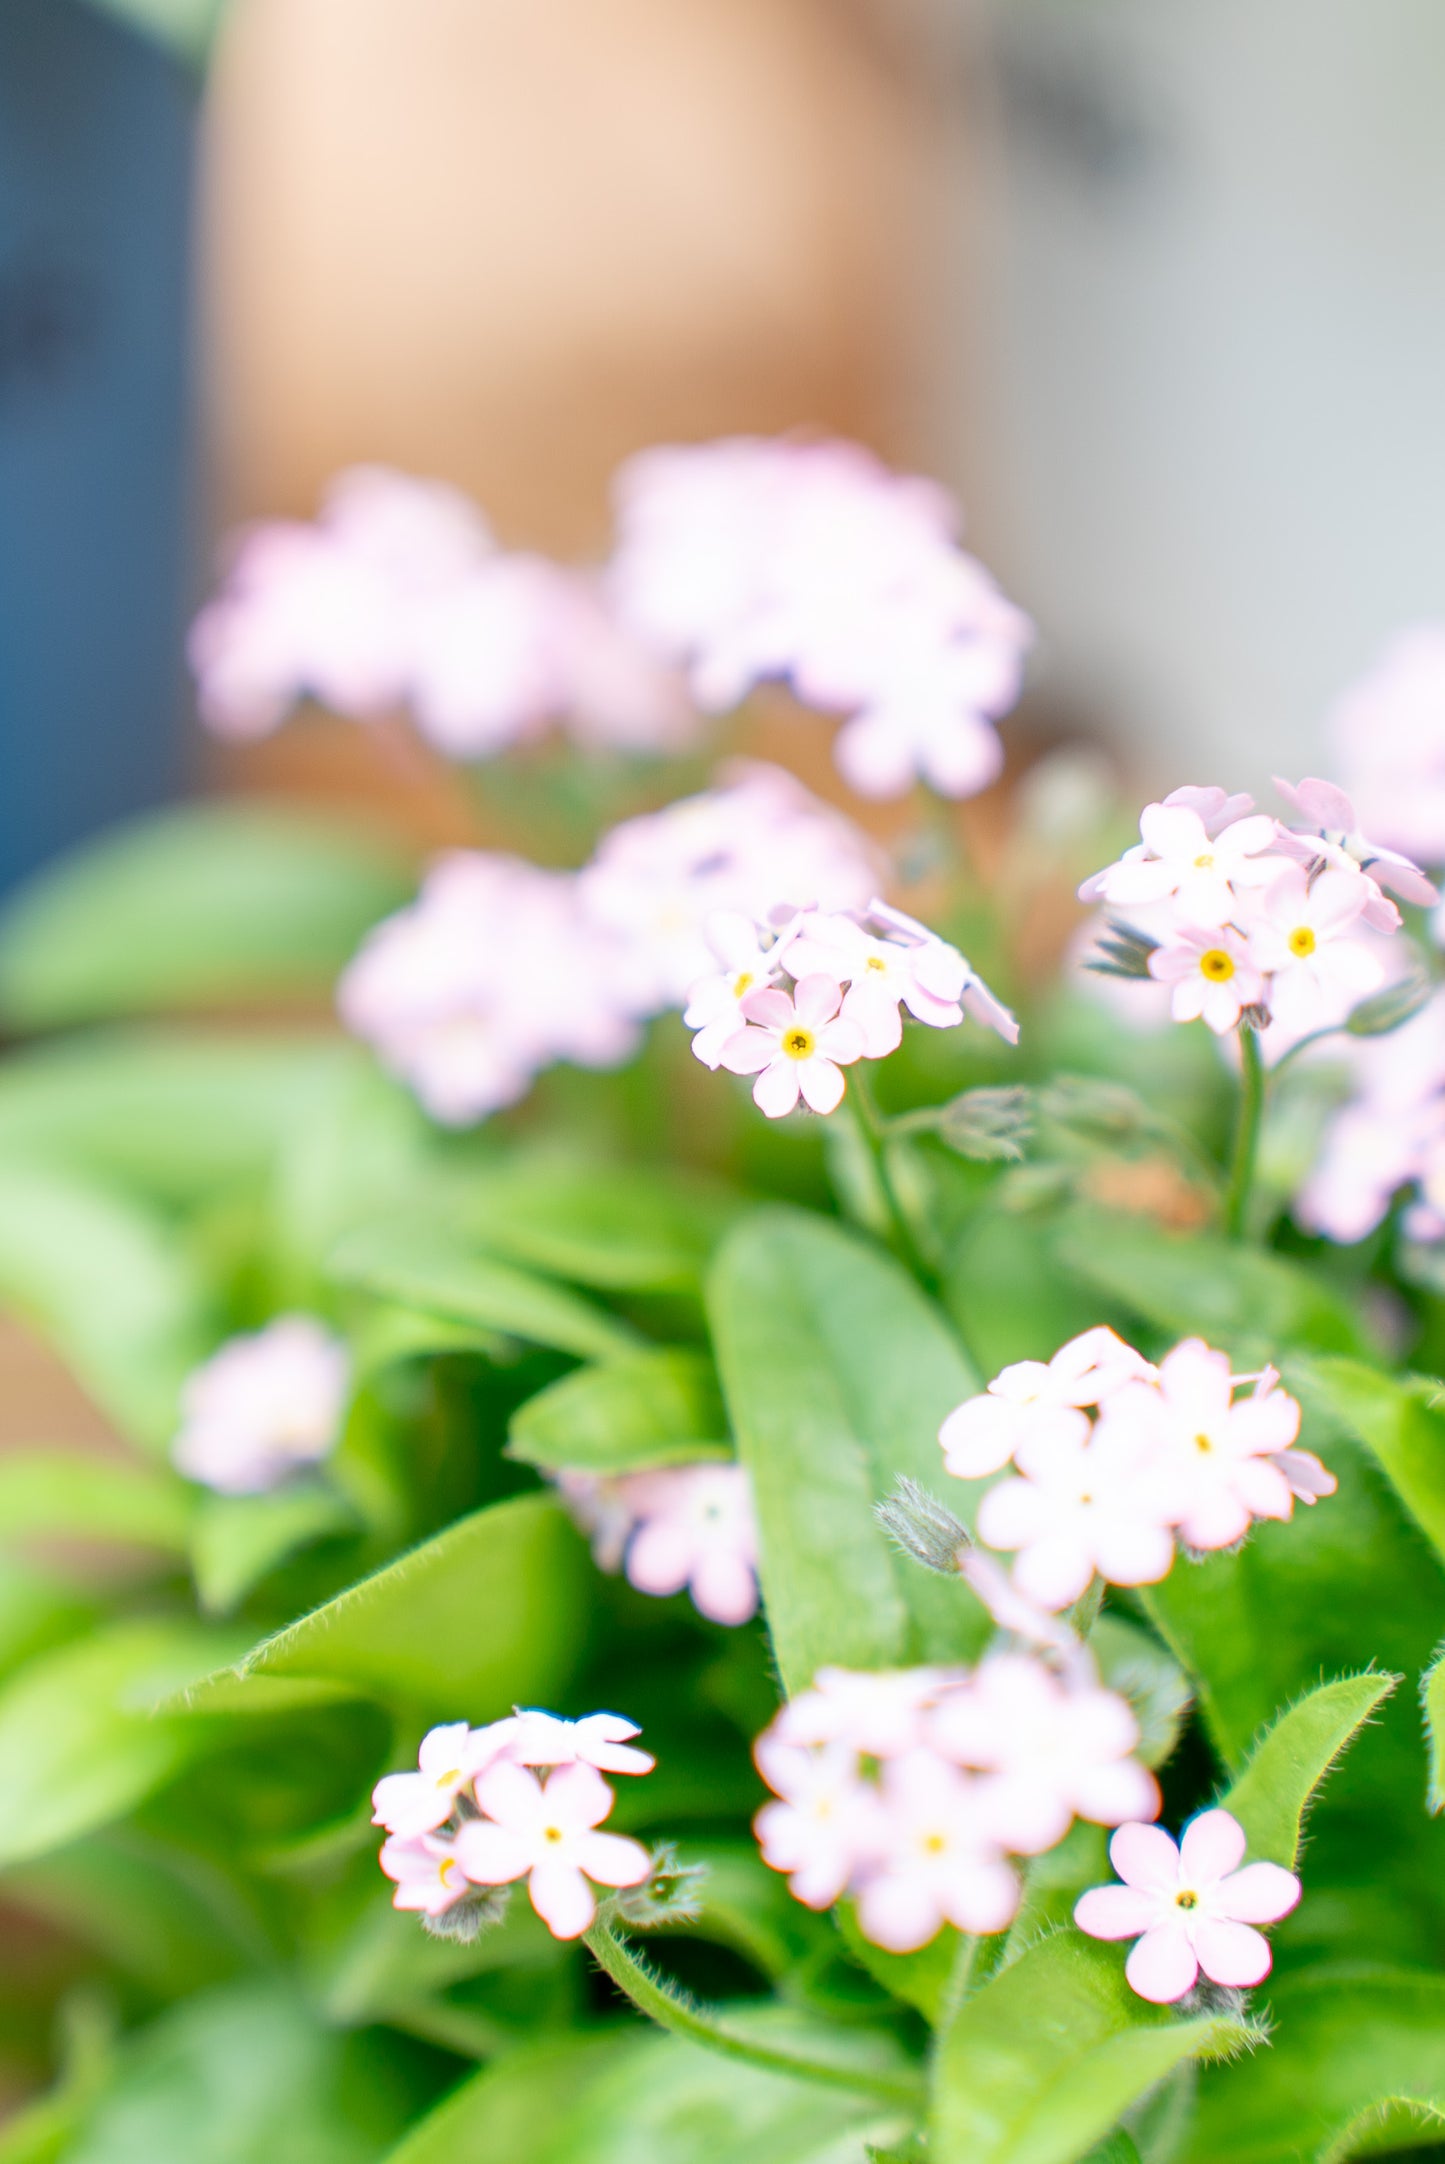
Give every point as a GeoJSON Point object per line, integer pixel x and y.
{"type": "Point", "coordinates": [96, 155]}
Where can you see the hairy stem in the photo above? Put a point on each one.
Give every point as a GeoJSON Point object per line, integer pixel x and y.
{"type": "Point", "coordinates": [671, 2009]}
{"type": "Point", "coordinates": [871, 1126]}
{"type": "Point", "coordinates": [1246, 1135]}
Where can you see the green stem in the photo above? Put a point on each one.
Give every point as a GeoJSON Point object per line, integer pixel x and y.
{"type": "Point", "coordinates": [873, 1129]}
{"type": "Point", "coordinates": [663, 2003]}
{"type": "Point", "coordinates": [1246, 1135]}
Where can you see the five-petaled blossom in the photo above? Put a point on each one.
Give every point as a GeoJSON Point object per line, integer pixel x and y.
{"type": "Point", "coordinates": [1172, 1453]}
{"type": "Point", "coordinates": [546, 1832]}
{"type": "Point", "coordinates": [674, 1527]}
{"type": "Point", "coordinates": [1189, 1906]}
{"type": "Point", "coordinates": [910, 1789]}
{"type": "Point", "coordinates": [796, 1047]}
{"type": "Point", "coordinates": [263, 1407]}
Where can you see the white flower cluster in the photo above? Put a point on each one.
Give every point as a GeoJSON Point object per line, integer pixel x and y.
{"type": "Point", "coordinates": [810, 563]}
{"type": "Point", "coordinates": [500, 968]}
{"type": "Point", "coordinates": [675, 1527]}
{"type": "Point", "coordinates": [398, 595]}
{"type": "Point", "coordinates": [265, 1406]}
{"type": "Point", "coordinates": [1239, 910]}
{"type": "Point", "coordinates": [1170, 1453]}
{"type": "Point", "coordinates": [848, 984]}
{"type": "Point", "coordinates": [475, 1816]}
{"type": "Point", "coordinates": [911, 1790]}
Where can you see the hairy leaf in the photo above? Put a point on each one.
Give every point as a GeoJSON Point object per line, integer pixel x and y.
{"type": "Point", "coordinates": [237, 1540]}
{"type": "Point", "coordinates": [619, 1228]}
{"type": "Point", "coordinates": [837, 1373]}
{"type": "Point", "coordinates": [1043, 2060]}
{"type": "Point", "coordinates": [652, 1408]}
{"type": "Point", "coordinates": [1400, 1419]}
{"type": "Point", "coordinates": [1271, 1795]}
{"type": "Point", "coordinates": [489, 1614]}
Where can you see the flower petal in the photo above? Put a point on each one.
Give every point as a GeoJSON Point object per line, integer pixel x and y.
{"type": "Point", "coordinates": [821, 1084]}
{"type": "Point", "coordinates": [492, 1855]}
{"type": "Point", "coordinates": [577, 1797]}
{"type": "Point", "coordinates": [1145, 1857]}
{"type": "Point", "coordinates": [612, 1859]}
{"type": "Point", "coordinates": [562, 1898]}
{"type": "Point", "coordinates": [511, 1795]}
{"type": "Point", "coordinates": [1116, 1912]}
{"type": "Point", "coordinates": [776, 1090]}
{"type": "Point", "coordinates": [1259, 1894]}
{"type": "Point", "coordinates": [1162, 1966]}
{"type": "Point", "coordinates": [1211, 1846]}
{"type": "Point", "coordinates": [748, 1051]}
{"type": "Point", "coordinates": [1231, 1953]}
{"type": "Point", "coordinates": [769, 1007]}
{"type": "Point", "coordinates": [816, 999]}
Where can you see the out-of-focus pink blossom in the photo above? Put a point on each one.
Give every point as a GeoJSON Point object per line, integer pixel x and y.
{"type": "Point", "coordinates": [492, 974]}
{"type": "Point", "coordinates": [1104, 1502]}
{"type": "Point", "coordinates": [1388, 730]}
{"type": "Point", "coordinates": [827, 1826]}
{"type": "Point", "coordinates": [448, 1761]}
{"type": "Point", "coordinates": [1178, 859]}
{"type": "Point", "coordinates": [1213, 974]}
{"type": "Point", "coordinates": [1391, 1135]}
{"type": "Point", "coordinates": [1331, 831]}
{"type": "Point", "coordinates": [547, 1833]}
{"type": "Point", "coordinates": [1189, 1906]}
{"type": "Point", "coordinates": [695, 1529]}
{"type": "Point", "coordinates": [796, 1047]}
{"type": "Point", "coordinates": [1043, 1754]}
{"type": "Point", "coordinates": [812, 564]}
{"type": "Point", "coordinates": [265, 1405]}
{"type": "Point", "coordinates": [943, 1864]}
{"type": "Point", "coordinates": [1039, 1398]}
{"type": "Point", "coordinates": [879, 1713]}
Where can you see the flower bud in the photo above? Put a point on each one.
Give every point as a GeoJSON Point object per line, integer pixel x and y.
{"type": "Point", "coordinates": [923, 1528]}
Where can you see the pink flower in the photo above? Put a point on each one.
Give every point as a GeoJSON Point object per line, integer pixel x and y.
{"type": "Point", "coordinates": [879, 1713]}
{"type": "Point", "coordinates": [1081, 1504]}
{"type": "Point", "coordinates": [827, 1825]}
{"type": "Point", "coordinates": [1225, 1456]}
{"type": "Point", "coordinates": [1190, 1907]}
{"type": "Point", "coordinates": [603, 1740]}
{"type": "Point", "coordinates": [1333, 832]}
{"type": "Point", "coordinates": [449, 1759]}
{"type": "Point", "coordinates": [547, 1834]}
{"type": "Point", "coordinates": [795, 1047]}
{"type": "Point", "coordinates": [599, 1506]}
{"type": "Point", "coordinates": [980, 1436]}
{"type": "Point", "coordinates": [1178, 857]}
{"type": "Point", "coordinates": [695, 1528]}
{"type": "Point", "coordinates": [1390, 1136]}
{"type": "Point", "coordinates": [428, 1876]}
{"type": "Point", "coordinates": [267, 1404]}
{"type": "Point", "coordinates": [1213, 973]}
{"type": "Point", "coordinates": [715, 1004]}
{"type": "Point", "coordinates": [942, 1864]}
{"type": "Point", "coordinates": [1043, 1754]}
{"type": "Point", "coordinates": [1296, 933]}
{"type": "Point", "coordinates": [1389, 732]}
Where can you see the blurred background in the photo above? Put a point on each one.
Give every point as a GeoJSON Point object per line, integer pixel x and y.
{"type": "Point", "coordinates": [1158, 287]}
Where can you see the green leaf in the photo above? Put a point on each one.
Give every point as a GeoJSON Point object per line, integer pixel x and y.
{"type": "Point", "coordinates": [428, 1266]}
{"type": "Point", "coordinates": [247, 2075]}
{"type": "Point", "coordinates": [614, 1227]}
{"type": "Point", "coordinates": [178, 1116]}
{"type": "Point", "coordinates": [837, 1373]}
{"type": "Point", "coordinates": [628, 2097]}
{"type": "Point", "coordinates": [489, 1614]}
{"type": "Point", "coordinates": [79, 1742]}
{"type": "Point", "coordinates": [1432, 1700]}
{"type": "Point", "coordinates": [1400, 1420]}
{"type": "Point", "coordinates": [237, 1540]}
{"type": "Point", "coordinates": [186, 28]}
{"type": "Point", "coordinates": [920, 1979]}
{"type": "Point", "coordinates": [71, 1493]}
{"type": "Point", "coordinates": [1357, 2065]}
{"type": "Point", "coordinates": [190, 906]}
{"type": "Point", "coordinates": [37, 1611]}
{"type": "Point", "coordinates": [1043, 2060]}
{"type": "Point", "coordinates": [1134, 1663]}
{"type": "Point", "coordinates": [652, 1408]}
{"type": "Point", "coordinates": [1270, 1797]}
{"type": "Point", "coordinates": [110, 1288]}
{"type": "Point", "coordinates": [1200, 1285]}
{"type": "Point", "coordinates": [1011, 1300]}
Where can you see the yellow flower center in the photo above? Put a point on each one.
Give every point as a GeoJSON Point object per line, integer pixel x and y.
{"type": "Point", "coordinates": [1216, 965]}
{"type": "Point", "coordinates": [741, 982]}
{"type": "Point", "coordinates": [1202, 1441]}
{"type": "Point", "coordinates": [876, 961]}
{"type": "Point", "coordinates": [1186, 1900]}
{"type": "Point", "coordinates": [1204, 863]}
{"type": "Point", "coordinates": [449, 1871]}
{"type": "Point", "coordinates": [448, 1779]}
{"type": "Point", "coordinates": [934, 1844]}
{"type": "Point", "coordinates": [1302, 941]}
{"type": "Point", "coordinates": [553, 1833]}
{"type": "Point", "coordinates": [799, 1043]}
